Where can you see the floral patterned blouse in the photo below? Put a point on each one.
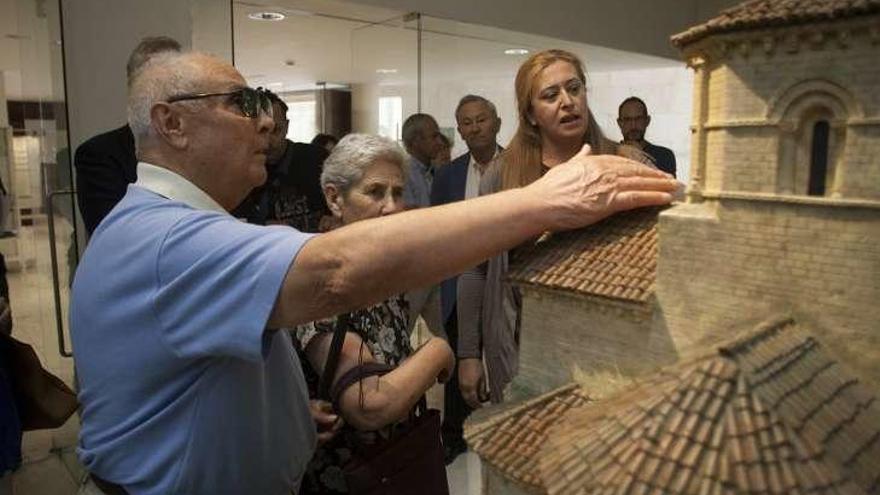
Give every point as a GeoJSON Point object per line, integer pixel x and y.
{"type": "Point", "coordinates": [383, 328]}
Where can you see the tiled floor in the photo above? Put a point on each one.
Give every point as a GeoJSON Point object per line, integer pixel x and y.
{"type": "Point", "coordinates": [49, 462]}
{"type": "Point", "coordinates": [50, 465]}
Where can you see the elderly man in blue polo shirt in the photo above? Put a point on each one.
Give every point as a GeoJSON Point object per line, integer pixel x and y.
{"type": "Point", "coordinates": [185, 386]}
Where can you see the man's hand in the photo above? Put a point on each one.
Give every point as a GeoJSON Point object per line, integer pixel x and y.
{"type": "Point", "coordinates": [470, 381]}
{"type": "Point", "coordinates": [588, 188]}
{"type": "Point", "coordinates": [327, 423]}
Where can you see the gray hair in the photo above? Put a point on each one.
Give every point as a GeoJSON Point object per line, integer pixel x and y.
{"type": "Point", "coordinates": [472, 99]}
{"type": "Point", "coordinates": [353, 154]}
{"type": "Point", "coordinates": [146, 49]}
{"type": "Point", "coordinates": [413, 126]}
{"type": "Point", "coordinates": [163, 76]}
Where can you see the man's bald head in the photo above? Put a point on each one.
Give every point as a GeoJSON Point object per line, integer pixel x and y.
{"type": "Point", "coordinates": [186, 113]}
{"type": "Point", "coordinates": [169, 74]}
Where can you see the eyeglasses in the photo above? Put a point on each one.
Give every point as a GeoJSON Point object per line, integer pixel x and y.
{"type": "Point", "coordinates": [249, 100]}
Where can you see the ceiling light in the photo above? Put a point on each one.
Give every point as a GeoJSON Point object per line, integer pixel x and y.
{"type": "Point", "coordinates": [386, 71]}
{"type": "Point", "coordinates": [275, 84]}
{"type": "Point", "coordinates": [516, 51]}
{"type": "Point", "coordinates": [266, 16]}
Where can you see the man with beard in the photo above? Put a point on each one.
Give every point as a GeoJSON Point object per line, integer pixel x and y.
{"type": "Point", "coordinates": [292, 193]}
{"type": "Point", "coordinates": [633, 119]}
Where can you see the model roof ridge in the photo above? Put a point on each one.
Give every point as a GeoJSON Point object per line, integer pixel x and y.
{"type": "Point", "coordinates": [777, 441]}
{"type": "Point", "coordinates": [818, 442]}
{"type": "Point", "coordinates": [475, 429]}
{"type": "Point", "coordinates": [756, 14]}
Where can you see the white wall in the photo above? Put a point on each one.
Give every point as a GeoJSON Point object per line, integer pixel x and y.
{"type": "Point", "coordinates": [99, 36]}
{"type": "Point", "coordinates": [667, 93]}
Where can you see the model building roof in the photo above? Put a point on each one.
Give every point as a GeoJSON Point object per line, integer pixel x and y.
{"type": "Point", "coordinates": [770, 413]}
{"type": "Point", "coordinates": [511, 440]}
{"type": "Point", "coordinates": [755, 14]}
{"type": "Point", "coordinates": [615, 258]}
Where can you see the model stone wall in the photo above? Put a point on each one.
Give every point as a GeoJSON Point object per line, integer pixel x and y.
{"type": "Point", "coordinates": [862, 161]}
{"type": "Point", "coordinates": [562, 331]}
{"type": "Point", "coordinates": [764, 91]}
{"type": "Point", "coordinates": [816, 259]}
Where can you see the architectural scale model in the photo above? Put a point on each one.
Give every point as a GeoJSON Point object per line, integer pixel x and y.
{"type": "Point", "coordinates": [782, 217]}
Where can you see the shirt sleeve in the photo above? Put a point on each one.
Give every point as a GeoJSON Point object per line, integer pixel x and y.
{"type": "Point", "coordinates": [217, 281]}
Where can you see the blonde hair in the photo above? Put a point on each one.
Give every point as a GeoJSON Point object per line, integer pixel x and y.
{"type": "Point", "coordinates": [522, 159]}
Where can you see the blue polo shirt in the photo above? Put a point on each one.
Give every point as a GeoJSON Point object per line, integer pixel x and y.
{"type": "Point", "coordinates": [183, 391]}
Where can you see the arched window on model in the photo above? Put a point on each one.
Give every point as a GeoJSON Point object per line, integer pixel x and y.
{"type": "Point", "coordinates": [819, 158]}
{"type": "Point", "coordinates": [812, 120]}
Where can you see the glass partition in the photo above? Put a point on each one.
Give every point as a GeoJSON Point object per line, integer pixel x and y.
{"type": "Point", "coordinates": [38, 229]}
{"type": "Point", "coordinates": [460, 58]}
{"type": "Point", "coordinates": [385, 75]}
{"type": "Point", "coordinates": [397, 63]}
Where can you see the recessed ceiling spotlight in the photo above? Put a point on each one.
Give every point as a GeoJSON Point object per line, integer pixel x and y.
{"type": "Point", "coordinates": [386, 71]}
{"type": "Point", "coordinates": [267, 16]}
{"type": "Point", "coordinates": [516, 51]}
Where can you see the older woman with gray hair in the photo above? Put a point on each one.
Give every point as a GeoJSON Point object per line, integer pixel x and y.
{"type": "Point", "coordinates": [364, 178]}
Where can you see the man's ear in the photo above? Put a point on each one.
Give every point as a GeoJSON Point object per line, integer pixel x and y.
{"type": "Point", "coordinates": [647, 120]}
{"type": "Point", "coordinates": [497, 125]}
{"type": "Point", "coordinates": [167, 123]}
{"type": "Point", "coordinates": [334, 200]}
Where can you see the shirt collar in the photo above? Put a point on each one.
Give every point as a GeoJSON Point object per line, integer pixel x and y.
{"type": "Point", "coordinates": [425, 170]}
{"type": "Point", "coordinates": [175, 187]}
{"type": "Point", "coordinates": [473, 161]}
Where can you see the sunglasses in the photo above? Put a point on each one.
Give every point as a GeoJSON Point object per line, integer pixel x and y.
{"type": "Point", "coordinates": [249, 100]}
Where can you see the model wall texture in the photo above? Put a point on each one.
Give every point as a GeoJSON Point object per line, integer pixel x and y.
{"type": "Point", "coordinates": [563, 332]}
{"type": "Point", "coordinates": [756, 93]}
{"type": "Point", "coordinates": [761, 258]}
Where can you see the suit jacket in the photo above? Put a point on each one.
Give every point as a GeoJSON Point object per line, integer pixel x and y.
{"type": "Point", "coordinates": [105, 165]}
{"type": "Point", "coordinates": [450, 181]}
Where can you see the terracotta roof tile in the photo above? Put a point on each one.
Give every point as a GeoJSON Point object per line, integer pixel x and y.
{"type": "Point", "coordinates": [768, 413]}
{"type": "Point", "coordinates": [755, 14]}
{"type": "Point", "coordinates": [615, 258]}
{"type": "Point", "coordinates": [513, 438]}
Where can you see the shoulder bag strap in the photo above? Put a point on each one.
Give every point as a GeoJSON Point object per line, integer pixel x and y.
{"type": "Point", "coordinates": [332, 363]}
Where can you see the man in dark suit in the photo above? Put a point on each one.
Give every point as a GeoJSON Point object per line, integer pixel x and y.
{"type": "Point", "coordinates": [478, 125]}
{"type": "Point", "coordinates": [633, 120]}
{"type": "Point", "coordinates": [106, 164]}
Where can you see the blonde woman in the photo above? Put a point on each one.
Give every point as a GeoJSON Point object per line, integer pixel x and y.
{"type": "Point", "coordinates": [555, 122]}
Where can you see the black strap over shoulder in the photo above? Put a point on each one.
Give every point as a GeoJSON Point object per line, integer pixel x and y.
{"type": "Point", "coordinates": [355, 375]}
{"type": "Point", "coordinates": [332, 364]}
